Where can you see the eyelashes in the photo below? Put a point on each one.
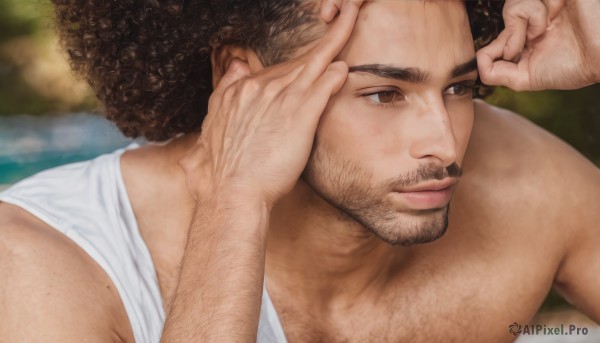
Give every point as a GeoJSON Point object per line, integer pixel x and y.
{"type": "Point", "coordinates": [462, 88]}
{"type": "Point", "coordinates": [385, 98]}
{"type": "Point", "coordinates": [393, 96]}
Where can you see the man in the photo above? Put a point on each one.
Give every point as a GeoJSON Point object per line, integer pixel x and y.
{"type": "Point", "coordinates": [335, 240]}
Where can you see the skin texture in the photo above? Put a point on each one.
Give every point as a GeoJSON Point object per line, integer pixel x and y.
{"type": "Point", "coordinates": [421, 129]}
{"type": "Point", "coordinates": [255, 141]}
{"type": "Point", "coordinates": [522, 219]}
{"type": "Point", "coordinates": [549, 44]}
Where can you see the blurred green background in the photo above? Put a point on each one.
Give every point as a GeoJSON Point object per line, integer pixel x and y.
{"type": "Point", "coordinates": [35, 80]}
{"type": "Point", "coordinates": [34, 77]}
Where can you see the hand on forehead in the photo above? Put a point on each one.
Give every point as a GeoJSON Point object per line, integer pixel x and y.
{"type": "Point", "coordinates": [431, 35]}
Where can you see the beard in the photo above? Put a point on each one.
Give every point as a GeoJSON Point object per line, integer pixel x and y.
{"type": "Point", "coordinates": [349, 187]}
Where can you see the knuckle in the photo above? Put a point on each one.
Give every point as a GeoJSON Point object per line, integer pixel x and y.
{"type": "Point", "coordinates": [291, 91]}
{"type": "Point", "coordinates": [249, 87]}
{"type": "Point", "coordinates": [212, 100]}
{"type": "Point", "coordinates": [290, 95]}
{"type": "Point", "coordinates": [514, 10]}
{"type": "Point", "coordinates": [484, 77]}
{"type": "Point", "coordinates": [480, 54]}
{"type": "Point", "coordinates": [229, 92]}
{"type": "Point", "coordinates": [538, 11]}
{"type": "Point", "coordinates": [508, 10]}
{"type": "Point", "coordinates": [272, 88]}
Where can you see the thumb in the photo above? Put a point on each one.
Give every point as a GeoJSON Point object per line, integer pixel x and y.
{"type": "Point", "coordinates": [524, 21]}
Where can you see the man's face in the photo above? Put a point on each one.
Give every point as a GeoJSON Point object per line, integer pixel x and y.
{"type": "Point", "coordinates": [397, 131]}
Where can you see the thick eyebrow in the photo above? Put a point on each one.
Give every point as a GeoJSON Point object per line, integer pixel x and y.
{"type": "Point", "coordinates": [412, 75]}
{"type": "Point", "coordinates": [464, 68]}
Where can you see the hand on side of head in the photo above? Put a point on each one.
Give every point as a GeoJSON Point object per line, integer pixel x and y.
{"type": "Point", "coordinates": [259, 130]}
{"type": "Point", "coordinates": [549, 44]}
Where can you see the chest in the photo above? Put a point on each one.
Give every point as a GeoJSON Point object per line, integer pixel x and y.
{"type": "Point", "coordinates": [437, 299]}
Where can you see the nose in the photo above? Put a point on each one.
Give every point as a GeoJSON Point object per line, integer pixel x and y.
{"type": "Point", "coordinates": [433, 138]}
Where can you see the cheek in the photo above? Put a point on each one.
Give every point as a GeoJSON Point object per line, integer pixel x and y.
{"type": "Point", "coordinates": [344, 129]}
{"type": "Point", "coordinates": [462, 114]}
{"type": "Point", "coordinates": [353, 131]}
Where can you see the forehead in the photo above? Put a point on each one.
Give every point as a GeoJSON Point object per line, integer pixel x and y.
{"type": "Point", "coordinates": [431, 35]}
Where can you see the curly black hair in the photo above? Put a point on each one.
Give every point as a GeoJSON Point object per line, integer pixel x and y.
{"type": "Point", "coordinates": [148, 61]}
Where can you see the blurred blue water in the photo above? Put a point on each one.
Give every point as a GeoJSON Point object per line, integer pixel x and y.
{"type": "Point", "coordinates": [29, 144]}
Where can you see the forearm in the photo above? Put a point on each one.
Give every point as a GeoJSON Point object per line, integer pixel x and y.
{"type": "Point", "coordinates": [596, 78]}
{"type": "Point", "coordinates": [593, 16]}
{"type": "Point", "coordinates": [219, 293]}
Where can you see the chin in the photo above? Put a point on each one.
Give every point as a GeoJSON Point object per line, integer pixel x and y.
{"type": "Point", "coordinates": [403, 228]}
{"type": "Point", "coordinates": [400, 227]}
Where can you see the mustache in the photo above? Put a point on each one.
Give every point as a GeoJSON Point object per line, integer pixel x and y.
{"type": "Point", "coordinates": [426, 172]}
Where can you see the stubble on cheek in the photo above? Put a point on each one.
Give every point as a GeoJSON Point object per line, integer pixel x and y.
{"type": "Point", "coordinates": [333, 177]}
{"type": "Point", "coordinates": [349, 188]}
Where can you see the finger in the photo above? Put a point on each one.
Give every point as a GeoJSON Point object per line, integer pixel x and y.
{"type": "Point", "coordinates": [488, 54]}
{"type": "Point", "coordinates": [330, 45]}
{"type": "Point", "coordinates": [329, 8]}
{"type": "Point", "coordinates": [537, 20]}
{"type": "Point", "coordinates": [330, 83]}
{"type": "Point", "coordinates": [516, 38]}
{"type": "Point", "coordinates": [509, 74]}
{"type": "Point", "coordinates": [235, 71]}
{"type": "Point", "coordinates": [503, 73]}
{"type": "Point", "coordinates": [524, 21]}
{"type": "Point", "coordinates": [288, 71]}
{"type": "Point", "coordinates": [554, 7]}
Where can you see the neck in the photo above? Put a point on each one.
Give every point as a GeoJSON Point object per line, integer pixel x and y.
{"type": "Point", "coordinates": [314, 250]}
{"type": "Point", "coordinates": [323, 255]}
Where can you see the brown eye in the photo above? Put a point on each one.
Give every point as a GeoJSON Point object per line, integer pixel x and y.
{"type": "Point", "coordinates": [462, 88]}
{"type": "Point", "coordinates": [384, 97]}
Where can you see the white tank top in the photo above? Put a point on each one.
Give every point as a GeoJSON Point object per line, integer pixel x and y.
{"type": "Point", "coordinates": [88, 202]}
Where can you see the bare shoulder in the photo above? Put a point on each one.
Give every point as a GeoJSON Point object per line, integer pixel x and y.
{"type": "Point", "coordinates": [509, 147]}
{"type": "Point", "coordinates": [51, 290]}
{"type": "Point", "coordinates": [526, 173]}
{"type": "Point", "coordinates": [543, 183]}
{"type": "Point", "coordinates": [521, 140]}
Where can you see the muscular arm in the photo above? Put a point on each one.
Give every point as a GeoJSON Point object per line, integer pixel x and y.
{"type": "Point", "coordinates": [51, 290]}
{"type": "Point", "coordinates": [578, 278]}
{"type": "Point", "coordinates": [257, 135]}
{"type": "Point", "coordinates": [219, 294]}
{"type": "Point", "coordinates": [524, 165]}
